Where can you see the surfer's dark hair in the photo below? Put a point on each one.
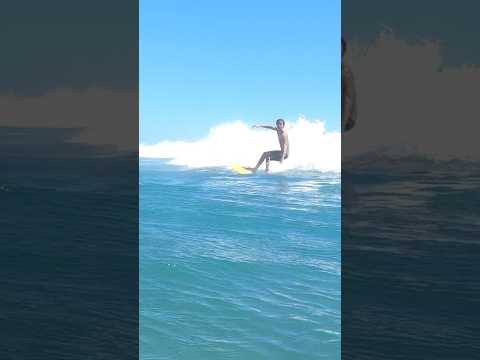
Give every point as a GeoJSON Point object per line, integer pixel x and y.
{"type": "Point", "coordinates": [278, 120]}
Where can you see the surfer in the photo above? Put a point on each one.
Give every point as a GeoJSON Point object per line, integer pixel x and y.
{"type": "Point", "coordinates": [349, 101]}
{"type": "Point", "coordinates": [275, 155]}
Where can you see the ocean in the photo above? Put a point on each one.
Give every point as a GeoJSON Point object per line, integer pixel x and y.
{"type": "Point", "coordinates": [410, 258]}
{"type": "Point", "coordinates": [239, 267]}
{"type": "Point", "coordinates": [69, 252]}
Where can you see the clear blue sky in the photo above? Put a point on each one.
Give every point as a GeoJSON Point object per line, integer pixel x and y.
{"type": "Point", "coordinates": [207, 62]}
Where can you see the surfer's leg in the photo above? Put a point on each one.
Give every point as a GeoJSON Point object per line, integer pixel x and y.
{"type": "Point", "coordinates": [260, 161]}
{"type": "Point", "coordinates": [267, 163]}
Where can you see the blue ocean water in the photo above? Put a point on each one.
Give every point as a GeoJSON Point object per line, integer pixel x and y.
{"type": "Point", "coordinates": [69, 235]}
{"type": "Point", "coordinates": [410, 259]}
{"type": "Point", "coordinates": [238, 267]}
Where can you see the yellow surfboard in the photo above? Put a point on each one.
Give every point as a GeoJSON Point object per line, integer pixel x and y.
{"type": "Point", "coordinates": [240, 169]}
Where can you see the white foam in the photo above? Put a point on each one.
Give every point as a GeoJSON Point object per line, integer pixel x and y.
{"type": "Point", "coordinates": [311, 147]}
{"type": "Point", "coordinates": [407, 95]}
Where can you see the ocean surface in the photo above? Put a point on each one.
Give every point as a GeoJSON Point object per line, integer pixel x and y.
{"type": "Point", "coordinates": [69, 235]}
{"type": "Point", "coordinates": [410, 259]}
{"type": "Point", "coordinates": [239, 267]}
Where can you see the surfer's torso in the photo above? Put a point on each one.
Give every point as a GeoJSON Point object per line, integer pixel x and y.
{"type": "Point", "coordinates": [283, 140]}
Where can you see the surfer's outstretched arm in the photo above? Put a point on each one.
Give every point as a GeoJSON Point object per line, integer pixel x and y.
{"type": "Point", "coordinates": [265, 127]}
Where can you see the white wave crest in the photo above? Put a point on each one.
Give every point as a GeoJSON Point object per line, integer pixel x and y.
{"type": "Point", "coordinates": [311, 147]}
{"type": "Point", "coordinates": [410, 102]}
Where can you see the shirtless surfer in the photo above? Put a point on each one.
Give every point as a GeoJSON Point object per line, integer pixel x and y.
{"type": "Point", "coordinates": [349, 101]}
{"type": "Point", "coordinates": [276, 155]}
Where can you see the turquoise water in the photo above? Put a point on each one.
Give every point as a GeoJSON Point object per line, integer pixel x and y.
{"type": "Point", "coordinates": [238, 267]}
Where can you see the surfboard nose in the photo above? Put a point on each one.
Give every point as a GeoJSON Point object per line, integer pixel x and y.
{"type": "Point", "coordinates": [240, 169]}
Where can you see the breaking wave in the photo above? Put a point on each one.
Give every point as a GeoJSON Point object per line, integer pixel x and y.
{"type": "Point", "coordinates": [311, 147]}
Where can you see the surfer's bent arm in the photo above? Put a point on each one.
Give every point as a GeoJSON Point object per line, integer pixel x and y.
{"type": "Point", "coordinates": [265, 127]}
{"type": "Point", "coordinates": [348, 96]}
{"type": "Point", "coordinates": [283, 155]}
{"type": "Point", "coordinates": [284, 147]}
{"type": "Point", "coordinates": [347, 109]}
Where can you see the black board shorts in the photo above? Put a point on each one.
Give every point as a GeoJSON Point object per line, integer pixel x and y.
{"type": "Point", "coordinates": [276, 155]}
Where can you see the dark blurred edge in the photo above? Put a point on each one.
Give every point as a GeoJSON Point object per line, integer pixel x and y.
{"type": "Point", "coordinates": [410, 221]}
{"type": "Point", "coordinates": [69, 185]}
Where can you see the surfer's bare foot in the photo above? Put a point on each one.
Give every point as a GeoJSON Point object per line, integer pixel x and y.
{"type": "Point", "coordinates": [251, 169]}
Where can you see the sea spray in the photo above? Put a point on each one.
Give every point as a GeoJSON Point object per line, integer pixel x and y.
{"type": "Point", "coordinates": [311, 147]}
